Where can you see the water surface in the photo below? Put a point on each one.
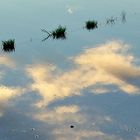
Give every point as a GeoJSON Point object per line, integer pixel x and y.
{"type": "Point", "coordinates": [83, 88]}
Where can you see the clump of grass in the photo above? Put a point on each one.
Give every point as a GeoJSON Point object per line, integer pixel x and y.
{"type": "Point", "coordinates": [91, 24]}
{"type": "Point", "coordinates": [59, 33]}
{"type": "Point", "coordinates": [8, 46]}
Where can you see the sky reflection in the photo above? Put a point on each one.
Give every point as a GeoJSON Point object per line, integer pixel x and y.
{"type": "Point", "coordinates": [95, 72]}
{"type": "Point", "coordinates": [90, 81]}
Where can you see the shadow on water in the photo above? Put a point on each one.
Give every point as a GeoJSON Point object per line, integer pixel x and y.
{"type": "Point", "coordinates": [8, 46]}
{"type": "Point", "coordinates": [58, 33]}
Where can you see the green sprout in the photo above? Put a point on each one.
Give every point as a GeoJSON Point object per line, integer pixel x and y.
{"type": "Point", "coordinates": [8, 46]}
{"type": "Point", "coordinates": [90, 25]}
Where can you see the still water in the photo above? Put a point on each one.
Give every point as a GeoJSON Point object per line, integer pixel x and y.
{"type": "Point", "coordinates": [86, 87]}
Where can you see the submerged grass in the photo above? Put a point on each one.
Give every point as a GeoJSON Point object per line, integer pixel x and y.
{"type": "Point", "coordinates": [91, 24]}
{"type": "Point", "coordinates": [8, 46]}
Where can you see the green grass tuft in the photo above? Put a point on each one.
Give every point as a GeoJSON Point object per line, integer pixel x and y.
{"type": "Point", "coordinates": [59, 33]}
{"type": "Point", "coordinates": [8, 46]}
{"type": "Point", "coordinates": [90, 25]}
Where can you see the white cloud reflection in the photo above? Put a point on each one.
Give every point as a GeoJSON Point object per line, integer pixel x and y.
{"type": "Point", "coordinates": [60, 115]}
{"type": "Point", "coordinates": [7, 93]}
{"type": "Point", "coordinates": [7, 61]}
{"type": "Point", "coordinates": [106, 64]}
{"type": "Point", "coordinates": [63, 134]}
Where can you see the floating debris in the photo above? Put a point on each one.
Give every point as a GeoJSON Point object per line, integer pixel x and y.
{"type": "Point", "coordinates": [90, 25]}
{"type": "Point", "coordinates": [72, 126]}
{"type": "Point", "coordinates": [8, 46]}
{"type": "Point", "coordinates": [33, 129]}
{"type": "Point", "coordinates": [59, 33]}
{"type": "Point", "coordinates": [37, 136]}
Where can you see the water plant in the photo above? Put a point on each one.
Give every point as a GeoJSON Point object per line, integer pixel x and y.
{"type": "Point", "coordinates": [8, 45]}
{"type": "Point", "coordinates": [58, 33]}
{"type": "Point", "coordinates": [91, 24]}
{"type": "Point", "coordinates": [123, 17]}
{"type": "Point", "coordinates": [111, 20]}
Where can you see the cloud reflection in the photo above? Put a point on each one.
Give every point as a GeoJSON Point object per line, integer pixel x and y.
{"type": "Point", "coordinates": [106, 64]}
{"type": "Point", "coordinates": [62, 134]}
{"type": "Point", "coordinates": [102, 69]}
{"type": "Point", "coordinates": [60, 115]}
{"type": "Point", "coordinates": [7, 93]}
{"type": "Point", "coordinates": [7, 61]}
